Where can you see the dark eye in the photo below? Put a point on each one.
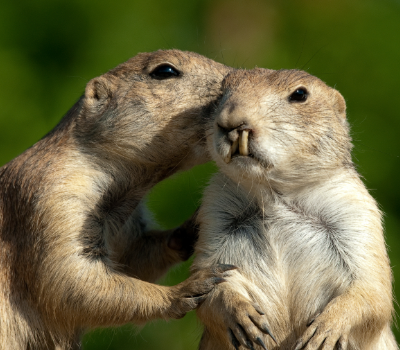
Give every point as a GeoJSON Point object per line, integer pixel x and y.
{"type": "Point", "coordinates": [300, 95]}
{"type": "Point", "coordinates": [164, 72]}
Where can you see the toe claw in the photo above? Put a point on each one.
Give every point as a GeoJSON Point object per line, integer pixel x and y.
{"type": "Point", "coordinates": [261, 343]}
{"type": "Point", "coordinates": [266, 330]}
{"type": "Point", "coordinates": [299, 345]}
{"type": "Point", "coordinates": [227, 267]}
{"type": "Point", "coordinates": [218, 280]}
{"type": "Point", "coordinates": [234, 341]}
{"type": "Point", "coordinates": [250, 345]}
{"type": "Point", "coordinates": [258, 309]}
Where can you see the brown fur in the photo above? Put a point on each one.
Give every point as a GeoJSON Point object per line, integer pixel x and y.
{"type": "Point", "coordinates": [296, 219]}
{"type": "Point", "coordinates": [75, 251]}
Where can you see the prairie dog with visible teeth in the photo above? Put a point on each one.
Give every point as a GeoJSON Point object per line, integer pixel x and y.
{"type": "Point", "coordinates": [289, 209]}
{"type": "Point", "coordinates": [75, 251]}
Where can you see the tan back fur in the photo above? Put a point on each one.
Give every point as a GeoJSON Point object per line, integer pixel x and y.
{"type": "Point", "coordinates": [75, 247]}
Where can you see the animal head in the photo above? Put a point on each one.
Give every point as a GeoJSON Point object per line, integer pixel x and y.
{"type": "Point", "coordinates": [152, 109]}
{"type": "Point", "coordinates": [283, 127]}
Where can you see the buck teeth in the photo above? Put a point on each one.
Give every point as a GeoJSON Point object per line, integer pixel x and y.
{"type": "Point", "coordinates": [228, 157]}
{"type": "Point", "coordinates": [235, 146]}
{"type": "Point", "coordinates": [243, 142]}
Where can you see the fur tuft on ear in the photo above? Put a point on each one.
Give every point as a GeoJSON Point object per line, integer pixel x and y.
{"type": "Point", "coordinates": [339, 104]}
{"type": "Point", "coordinates": [99, 92]}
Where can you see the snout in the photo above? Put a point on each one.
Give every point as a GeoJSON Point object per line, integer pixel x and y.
{"type": "Point", "coordinates": [233, 130]}
{"type": "Point", "coordinates": [239, 129]}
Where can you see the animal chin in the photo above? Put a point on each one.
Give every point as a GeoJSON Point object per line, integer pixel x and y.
{"type": "Point", "coordinates": [248, 163]}
{"type": "Point", "coordinates": [240, 154]}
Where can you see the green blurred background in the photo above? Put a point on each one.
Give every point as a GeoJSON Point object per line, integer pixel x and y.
{"type": "Point", "coordinates": [50, 49]}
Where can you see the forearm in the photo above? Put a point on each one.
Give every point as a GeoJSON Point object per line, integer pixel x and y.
{"type": "Point", "coordinates": [153, 252]}
{"type": "Point", "coordinates": [361, 313]}
{"type": "Point", "coordinates": [82, 293]}
{"type": "Point", "coordinates": [363, 307]}
{"type": "Point", "coordinates": [93, 294]}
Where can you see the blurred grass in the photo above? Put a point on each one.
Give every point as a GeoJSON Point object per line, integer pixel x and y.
{"type": "Point", "coordinates": [49, 50]}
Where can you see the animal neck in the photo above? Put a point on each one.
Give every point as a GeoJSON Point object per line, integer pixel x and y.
{"type": "Point", "coordinates": [311, 190]}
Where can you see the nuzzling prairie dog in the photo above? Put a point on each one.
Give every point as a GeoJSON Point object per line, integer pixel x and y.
{"type": "Point", "coordinates": [75, 251]}
{"type": "Point", "coordinates": [289, 209]}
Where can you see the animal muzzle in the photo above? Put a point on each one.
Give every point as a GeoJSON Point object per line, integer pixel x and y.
{"type": "Point", "coordinates": [235, 142]}
{"type": "Point", "coordinates": [240, 146]}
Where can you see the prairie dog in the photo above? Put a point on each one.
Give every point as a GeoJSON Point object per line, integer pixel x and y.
{"type": "Point", "coordinates": [289, 209]}
{"type": "Point", "coordinates": [75, 251]}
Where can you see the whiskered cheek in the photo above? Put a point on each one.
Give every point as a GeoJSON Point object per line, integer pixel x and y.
{"type": "Point", "coordinates": [220, 147]}
{"type": "Point", "coordinates": [267, 150]}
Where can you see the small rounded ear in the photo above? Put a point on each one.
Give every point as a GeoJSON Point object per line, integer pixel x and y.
{"type": "Point", "coordinates": [99, 92]}
{"type": "Point", "coordinates": [339, 104]}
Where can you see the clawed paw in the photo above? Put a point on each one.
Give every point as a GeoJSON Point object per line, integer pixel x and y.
{"type": "Point", "coordinates": [189, 294]}
{"type": "Point", "coordinates": [326, 333]}
{"type": "Point", "coordinates": [247, 325]}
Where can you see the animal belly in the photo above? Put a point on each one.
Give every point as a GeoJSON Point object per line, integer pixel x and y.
{"type": "Point", "coordinates": [292, 295]}
{"type": "Point", "coordinates": [279, 269]}
{"type": "Point", "coordinates": [289, 294]}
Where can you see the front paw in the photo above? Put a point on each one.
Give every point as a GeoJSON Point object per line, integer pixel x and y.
{"type": "Point", "coordinates": [327, 330]}
{"type": "Point", "coordinates": [188, 295]}
{"type": "Point", "coordinates": [246, 323]}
